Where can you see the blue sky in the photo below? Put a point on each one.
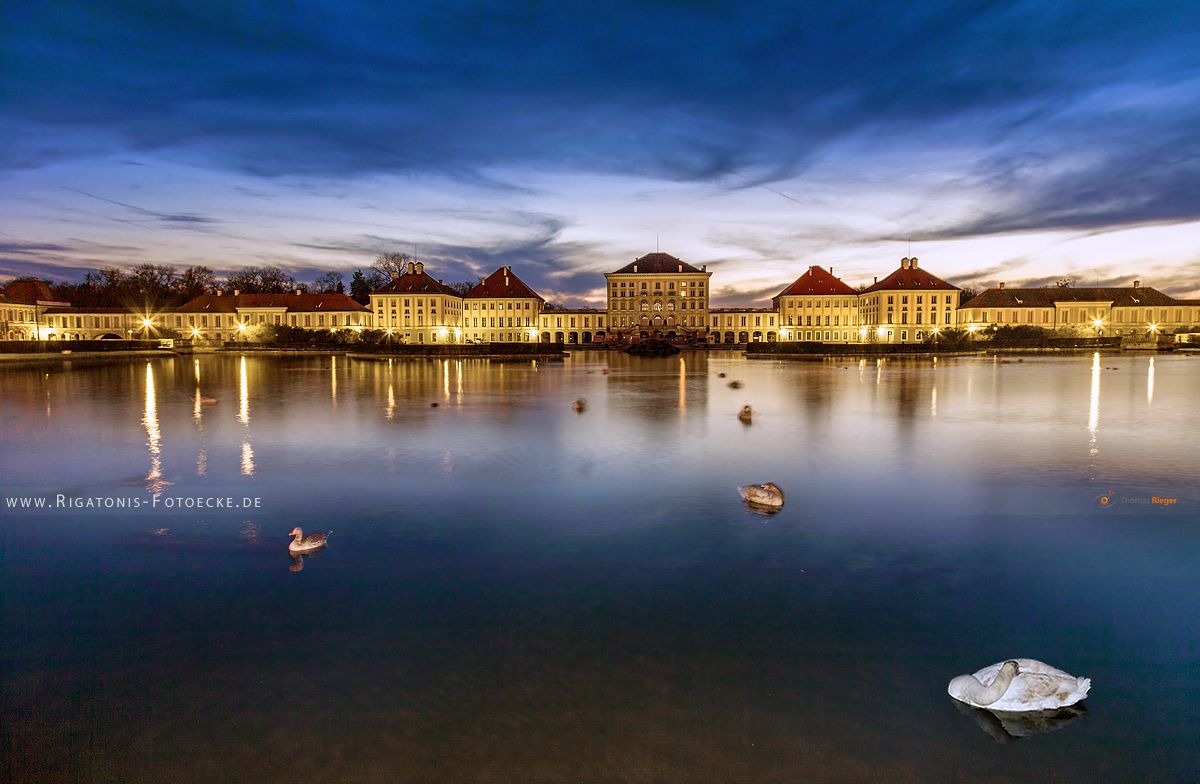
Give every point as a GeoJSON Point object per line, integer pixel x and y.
{"type": "Point", "coordinates": [1021, 142]}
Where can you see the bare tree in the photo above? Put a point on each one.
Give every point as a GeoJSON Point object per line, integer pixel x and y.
{"type": "Point", "coordinates": [384, 266]}
{"type": "Point", "coordinates": [261, 280]}
{"type": "Point", "coordinates": [330, 283]}
{"type": "Point", "coordinates": [1065, 283]}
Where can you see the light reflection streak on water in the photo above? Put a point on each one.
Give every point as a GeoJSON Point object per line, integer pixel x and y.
{"type": "Point", "coordinates": [243, 395]}
{"type": "Point", "coordinates": [391, 403]}
{"type": "Point", "coordinates": [446, 379]}
{"type": "Point", "coordinates": [878, 371]}
{"type": "Point", "coordinates": [154, 479]}
{"type": "Point", "coordinates": [458, 372]}
{"type": "Point", "coordinates": [197, 416]}
{"type": "Point", "coordinates": [333, 381]}
{"type": "Point", "coordinates": [933, 403]}
{"type": "Point", "coordinates": [1094, 405]}
{"type": "Point", "coordinates": [1150, 382]}
{"type": "Point", "coordinates": [201, 463]}
{"type": "Point", "coordinates": [247, 459]}
{"type": "Point", "coordinates": [682, 385]}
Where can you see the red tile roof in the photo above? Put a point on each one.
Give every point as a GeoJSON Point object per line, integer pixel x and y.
{"type": "Point", "coordinates": [1139, 296]}
{"type": "Point", "coordinates": [301, 303]}
{"type": "Point", "coordinates": [653, 263]}
{"type": "Point", "coordinates": [502, 283]}
{"type": "Point", "coordinates": [83, 310]}
{"type": "Point", "coordinates": [910, 277]}
{"type": "Point", "coordinates": [816, 280]}
{"type": "Point", "coordinates": [415, 283]}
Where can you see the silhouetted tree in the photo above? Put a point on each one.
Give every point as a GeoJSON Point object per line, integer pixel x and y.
{"type": "Point", "coordinates": [194, 281]}
{"type": "Point", "coordinates": [261, 280]}
{"type": "Point", "coordinates": [1065, 283]}
{"type": "Point", "coordinates": [330, 283]}
{"type": "Point", "coordinates": [360, 288]}
{"type": "Point", "coordinates": [384, 266]}
{"type": "Point", "coordinates": [968, 293]}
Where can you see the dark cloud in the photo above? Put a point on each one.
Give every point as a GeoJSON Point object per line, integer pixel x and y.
{"type": "Point", "coordinates": [680, 91]}
{"type": "Point", "coordinates": [186, 220]}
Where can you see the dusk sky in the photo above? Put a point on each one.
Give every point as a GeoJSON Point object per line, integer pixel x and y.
{"type": "Point", "coordinates": [1017, 142]}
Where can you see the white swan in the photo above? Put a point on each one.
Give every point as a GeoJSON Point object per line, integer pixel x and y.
{"type": "Point", "coordinates": [1019, 686]}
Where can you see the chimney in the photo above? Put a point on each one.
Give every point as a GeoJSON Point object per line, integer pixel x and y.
{"type": "Point", "coordinates": [410, 268]}
{"type": "Point", "coordinates": [904, 263]}
{"type": "Point", "coordinates": [1002, 285]}
{"type": "Point", "coordinates": [635, 268]}
{"type": "Point", "coordinates": [297, 292]}
{"type": "Point", "coordinates": [681, 268]}
{"type": "Point", "coordinates": [912, 263]}
{"type": "Point", "coordinates": [876, 278]}
{"type": "Point", "coordinates": [704, 268]}
{"type": "Point", "coordinates": [1137, 284]}
{"type": "Point", "coordinates": [219, 292]}
{"type": "Point", "coordinates": [237, 292]}
{"type": "Point", "coordinates": [420, 268]}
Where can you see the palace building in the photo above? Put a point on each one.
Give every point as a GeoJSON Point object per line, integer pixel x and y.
{"type": "Point", "coordinates": [654, 296]}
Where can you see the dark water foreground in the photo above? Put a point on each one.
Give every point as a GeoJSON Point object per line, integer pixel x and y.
{"type": "Point", "coordinates": [517, 592]}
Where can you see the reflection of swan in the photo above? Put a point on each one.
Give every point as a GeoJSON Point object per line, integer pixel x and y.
{"type": "Point", "coordinates": [766, 495]}
{"type": "Point", "coordinates": [1019, 686]}
{"type": "Point", "coordinates": [1006, 727]}
{"type": "Point", "coordinates": [303, 544]}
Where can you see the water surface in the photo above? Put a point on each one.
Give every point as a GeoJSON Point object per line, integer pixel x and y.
{"type": "Point", "coordinates": [518, 592]}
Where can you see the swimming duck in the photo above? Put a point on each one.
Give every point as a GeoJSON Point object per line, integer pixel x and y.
{"type": "Point", "coordinates": [302, 543]}
{"type": "Point", "coordinates": [767, 494]}
{"type": "Point", "coordinates": [746, 415]}
{"type": "Point", "coordinates": [735, 384]}
{"type": "Point", "coordinates": [580, 405]}
{"type": "Point", "coordinates": [1019, 686]}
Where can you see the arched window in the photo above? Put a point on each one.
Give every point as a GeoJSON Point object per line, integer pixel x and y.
{"type": "Point", "coordinates": [658, 306]}
{"type": "Point", "coordinates": [671, 305]}
{"type": "Point", "coordinates": [645, 306]}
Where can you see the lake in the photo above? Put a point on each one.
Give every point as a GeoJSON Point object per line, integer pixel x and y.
{"type": "Point", "coordinates": [517, 592]}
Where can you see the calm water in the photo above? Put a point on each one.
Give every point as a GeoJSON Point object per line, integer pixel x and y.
{"type": "Point", "coordinates": [517, 592]}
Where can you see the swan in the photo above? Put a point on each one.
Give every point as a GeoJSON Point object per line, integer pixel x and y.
{"type": "Point", "coordinates": [303, 544]}
{"type": "Point", "coordinates": [767, 494]}
{"type": "Point", "coordinates": [746, 415]}
{"type": "Point", "coordinates": [1019, 686]}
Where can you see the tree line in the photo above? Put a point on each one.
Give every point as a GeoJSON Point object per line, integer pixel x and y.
{"type": "Point", "coordinates": [160, 285]}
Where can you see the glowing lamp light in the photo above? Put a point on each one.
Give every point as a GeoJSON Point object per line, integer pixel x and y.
{"type": "Point", "coordinates": [971, 328]}
{"type": "Point", "coordinates": [241, 327]}
{"type": "Point", "coordinates": [937, 331]}
{"type": "Point", "coordinates": [195, 332]}
{"type": "Point", "coordinates": [443, 332]}
{"type": "Point", "coordinates": [533, 333]}
{"type": "Point", "coordinates": [147, 323]}
{"type": "Point", "coordinates": [881, 331]}
{"type": "Point", "coordinates": [389, 330]}
{"type": "Point", "coordinates": [1097, 323]}
{"type": "Point", "coordinates": [862, 331]}
{"type": "Point", "coordinates": [1154, 328]}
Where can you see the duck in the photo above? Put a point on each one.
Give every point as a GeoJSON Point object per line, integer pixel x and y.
{"type": "Point", "coordinates": [766, 494]}
{"type": "Point", "coordinates": [580, 405]}
{"type": "Point", "coordinates": [735, 384]}
{"type": "Point", "coordinates": [746, 415]}
{"type": "Point", "coordinates": [302, 543]}
{"type": "Point", "coordinates": [1019, 686]}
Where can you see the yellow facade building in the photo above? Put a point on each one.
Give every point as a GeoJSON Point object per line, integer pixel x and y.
{"type": "Point", "coordinates": [658, 296]}
{"type": "Point", "coordinates": [1081, 312]}
{"type": "Point", "coordinates": [415, 308]}
{"type": "Point", "coordinates": [501, 309]}
{"type": "Point", "coordinates": [818, 307]}
{"type": "Point", "coordinates": [907, 306]}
